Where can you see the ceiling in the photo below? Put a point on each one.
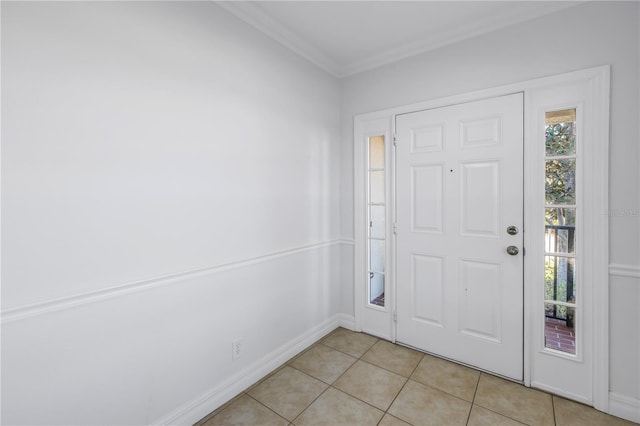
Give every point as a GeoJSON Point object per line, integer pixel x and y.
{"type": "Point", "coordinates": [347, 37]}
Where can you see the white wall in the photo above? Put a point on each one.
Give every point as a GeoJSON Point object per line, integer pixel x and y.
{"type": "Point", "coordinates": [142, 140]}
{"type": "Point", "coordinates": [583, 36]}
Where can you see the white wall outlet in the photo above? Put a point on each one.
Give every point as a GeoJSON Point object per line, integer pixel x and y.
{"type": "Point", "coordinates": [236, 349]}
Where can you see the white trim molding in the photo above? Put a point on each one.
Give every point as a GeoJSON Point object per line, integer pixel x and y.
{"type": "Point", "coordinates": [622, 270]}
{"type": "Point", "coordinates": [262, 21]}
{"type": "Point", "coordinates": [347, 321]}
{"type": "Point", "coordinates": [624, 407]}
{"type": "Point", "coordinates": [41, 308]}
{"type": "Point", "coordinates": [269, 24]}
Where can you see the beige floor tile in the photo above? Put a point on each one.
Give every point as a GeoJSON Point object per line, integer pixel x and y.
{"type": "Point", "coordinates": [371, 384]}
{"type": "Point", "coordinates": [389, 420]}
{"type": "Point", "coordinates": [288, 392]}
{"type": "Point", "coordinates": [246, 411]}
{"type": "Point", "coordinates": [275, 371]}
{"type": "Point", "coordinates": [447, 376]}
{"type": "Point", "coordinates": [354, 344]}
{"type": "Point", "coordinates": [323, 363]}
{"type": "Point", "coordinates": [423, 405]}
{"type": "Point", "coordinates": [337, 408]}
{"type": "Point", "coordinates": [515, 401]}
{"type": "Point", "coordinates": [569, 413]}
{"type": "Point", "coordinates": [394, 358]}
{"type": "Point", "coordinates": [483, 417]}
{"type": "Point", "coordinates": [438, 392]}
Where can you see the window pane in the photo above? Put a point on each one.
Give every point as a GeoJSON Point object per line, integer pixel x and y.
{"type": "Point", "coordinates": [560, 134]}
{"type": "Point", "coordinates": [376, 152]}
{"type": "Point", "coordinates": [559, 239]}
{"type": "Point", "coordinates": [559, 279]}
{"type": "Point", "coordinates": [560, 216]}
{"type": "Point", "coordinates": [376, 187]}
{"type": "Point", "coordinates": [560, 187]}
{"type": "Point", "coordinates": [559, 333]}
{"type": "Point", "coordinates": [376, 289]}
{"type": "Point", "coordinates": [376, 255]}
{"type": "Point", "coordinates": [376, 221]}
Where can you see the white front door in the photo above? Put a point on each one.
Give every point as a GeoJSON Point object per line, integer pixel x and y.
{"type": "Point", "coordinates": [459, 208]}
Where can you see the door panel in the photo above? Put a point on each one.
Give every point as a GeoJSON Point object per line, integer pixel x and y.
{"type": "Point", "coordinates": [426, 198]}
{"type": "Point", "coordinates": [480, 199]}
{"type": "Point", "coordinates": [427, 288]}
{"type": "Point", "coordinates": [480, 292]}
{"type": "Point", "coordinates": [459, 186]}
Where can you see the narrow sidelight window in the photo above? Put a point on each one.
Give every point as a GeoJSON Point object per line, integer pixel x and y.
{"type": "Point", "coordinates": [376, 215]}
{"type": "Point", "coordinates": [561, 285]}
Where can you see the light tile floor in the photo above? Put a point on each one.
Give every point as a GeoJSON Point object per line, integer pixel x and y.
{"type": "Point", "coordinates": [352, 378]}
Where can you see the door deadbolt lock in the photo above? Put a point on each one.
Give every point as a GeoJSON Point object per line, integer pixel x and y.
{"type": "Point", "coordinates": [512, 230]}
{"type": "Point", "coordinates": [513, 250]}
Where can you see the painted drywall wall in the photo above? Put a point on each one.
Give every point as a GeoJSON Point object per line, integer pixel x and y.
{"type": "Point", "coordinates": [583, 36]}
{"type": "Point", "coordinates": [142, 140]}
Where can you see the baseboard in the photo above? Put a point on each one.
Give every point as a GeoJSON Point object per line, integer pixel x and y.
{"type": "Point", "coordinates": [624, 407]}
{"type": "Point", "coordinates": [347, 321]}
{"type": "Point", "coordinates": [194, 410]}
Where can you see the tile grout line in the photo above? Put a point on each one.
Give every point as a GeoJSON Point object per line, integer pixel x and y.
{"type": "Point", "coordinates": [281, 367]}
{"type": "Point", "coordinates": [422, 355]}
{"type": "Point", "coordinates": [403, 385]}
{"type": "Point", "coordinates": [330, 386]}
{"type": "Point", "coordinates": [268, 408]}
{"type": "Point", "coordinates": [386, 411]}
{"type": "Point", "coordinates": [473, 400]}
{"type": "Point", "coordinates": [493, 411]}
{"type": "Point", "coordinates": [356, 359]}
{"type": "Point", "coordinates": [394, 400]}
{"type": "Point", "coordinates": [309, 404]}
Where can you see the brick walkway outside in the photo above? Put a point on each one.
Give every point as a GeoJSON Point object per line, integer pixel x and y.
{"type": "Point", "coordinates": [558, 336]}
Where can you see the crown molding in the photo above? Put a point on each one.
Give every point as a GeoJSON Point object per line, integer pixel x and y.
{"type": "Point", "coordinates": [257, 18]}
{"type": "Point", "coordinates": [455, 35]}
{"type": "Point", "coordinates": [252, 14]}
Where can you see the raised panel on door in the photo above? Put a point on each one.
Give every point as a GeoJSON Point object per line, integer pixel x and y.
{"type": "Point", "coordinates": [427, 288]}
{"type": "Point", "coordinates": [426, 198]}
{"type": "Point", "coordinates": [480, 292]}
{"type": "Point", "coordinates": [429, 138]}
{"type": "Point", "coordinates": [480, 198]}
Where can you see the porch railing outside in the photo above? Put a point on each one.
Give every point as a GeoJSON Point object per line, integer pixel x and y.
{"type": "Point", "coordinates": [560, 239]}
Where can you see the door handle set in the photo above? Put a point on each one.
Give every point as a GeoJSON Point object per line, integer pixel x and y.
{"type": "Point", "coordinates": [512, 250]}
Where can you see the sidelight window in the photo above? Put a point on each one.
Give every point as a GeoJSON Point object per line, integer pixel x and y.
{"type": "Point", "coordinates": [561, 286]}
{"type": "Point", "coordinates": [376, 217]}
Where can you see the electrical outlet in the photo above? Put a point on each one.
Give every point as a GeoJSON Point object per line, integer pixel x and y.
{"type": "Point", "coordinates": [236, 349]}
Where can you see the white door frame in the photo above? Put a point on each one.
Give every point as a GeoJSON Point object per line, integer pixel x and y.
{"type": "Point", "coordinates": [597, 257]}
